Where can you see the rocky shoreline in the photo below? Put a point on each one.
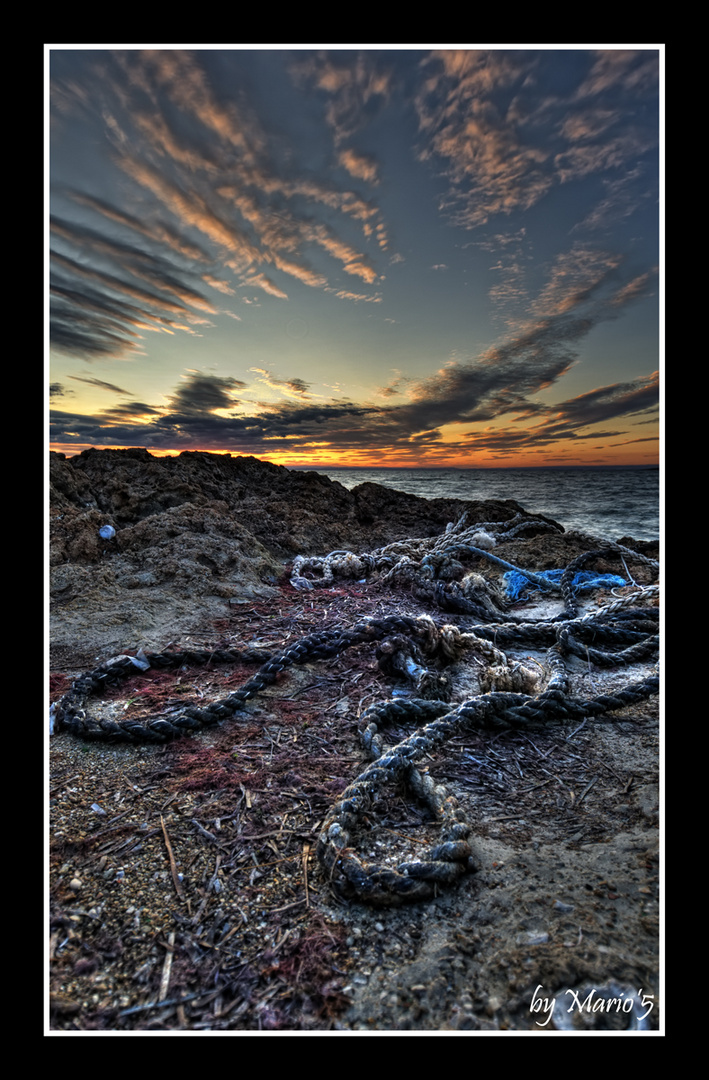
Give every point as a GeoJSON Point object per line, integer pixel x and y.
{"type": "Point", "coordinates": [199, 532]}
{"type": "Point", "coordinates": [184, 893]}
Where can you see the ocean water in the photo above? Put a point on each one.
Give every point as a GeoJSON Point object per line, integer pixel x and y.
{"type": "Point", "coordinates": [607, 503]}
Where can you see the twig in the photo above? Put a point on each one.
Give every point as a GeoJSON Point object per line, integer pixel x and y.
{"type": "Point", "coordinates": [512, 817]}
{"type": "Point", "coordinates": [586, 790]}
{"type": "Point", "coordinates": [278, 832]}
{"type": "Point", "coordinates": [167, 966]}
{"type": "Point", "coordinates": [161, 1004]}
{"type": "Point", "coordinates": [542, 783]}
{"type": "Point", "coordinates": [210, 886]}
{"type": "Point", "coordinates": [173, 865]}
{"type": "Point", "coordinates": [203, 831]}
{"type": "Point", "coordinates": [286, 907]}
{"type": "Point", "coordinates": [306, 853]}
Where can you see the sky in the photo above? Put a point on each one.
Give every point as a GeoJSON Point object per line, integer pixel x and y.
{"type": "Point", "coordinates": [367, 255]}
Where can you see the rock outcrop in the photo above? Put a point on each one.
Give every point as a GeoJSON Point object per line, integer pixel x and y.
{"type": "Point", "coordinates": [196, 532]}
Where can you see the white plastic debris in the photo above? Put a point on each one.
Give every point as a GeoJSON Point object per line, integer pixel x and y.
{"type": "Point", "coordinates": [484, 540]}
{"type": "Point", "coordinates": [140, 661]}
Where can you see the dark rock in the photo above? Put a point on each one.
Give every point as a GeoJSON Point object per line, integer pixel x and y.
{"type": "Point", "coordinates": [199, 531]}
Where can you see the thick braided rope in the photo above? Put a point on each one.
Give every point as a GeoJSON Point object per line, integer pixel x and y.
{"type": "Point", "coordinates": [640, 642]}
{"type": "Point", "coordinates": [422, 563]}
{"type": "Point", "coordinates": [618, 623]}
{"type": "Point", "coordinates": [70, 712]}
{"type": "Point", "coordinates": [452, 856]}
{"type": "Point", "coordinates": [640, 593]}
{"type": "Point", "coordinates": [455, 539]}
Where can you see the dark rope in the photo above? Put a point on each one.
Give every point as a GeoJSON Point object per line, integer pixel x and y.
{"type": "Point", "coordinates": [620, 635]}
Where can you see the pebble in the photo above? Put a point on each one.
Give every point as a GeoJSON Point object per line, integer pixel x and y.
{"type": "Point", "coordinates": [532, 938]}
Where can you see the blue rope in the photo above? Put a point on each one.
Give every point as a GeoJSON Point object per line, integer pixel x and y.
{"type": "Point", "coordinates": [518, 585]}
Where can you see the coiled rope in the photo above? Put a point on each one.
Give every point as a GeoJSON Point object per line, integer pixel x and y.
{"type": "Point", "coordinates": [621, 632]}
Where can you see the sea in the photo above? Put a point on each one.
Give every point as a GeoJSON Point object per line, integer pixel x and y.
{"type": "Point", "coordinates": [608, 503]}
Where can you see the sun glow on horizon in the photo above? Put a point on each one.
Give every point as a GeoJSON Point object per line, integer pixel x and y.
{"type": "Point", "coordinates": [618, 456]}
{"type": "Point", "coordinates": [431, 278]}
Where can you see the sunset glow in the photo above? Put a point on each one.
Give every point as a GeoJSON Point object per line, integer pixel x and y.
{"type": "Point", "coordinates": [395, 257]}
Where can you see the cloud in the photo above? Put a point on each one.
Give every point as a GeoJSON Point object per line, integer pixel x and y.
{"type": "Point", "coordinates": [624, 196]}
{"type": "Point", "coordinates": [458, 409]}
{"type": "Point", "coordinates": [626, 69]}
{"type": "Point", "coordinates": [396, 386]}
{"type": "Point", "coordinates": [361, 166]}
{"type": "Point", "coordinates": [581, 160]}
{"type": "Point", "coordinates": [609, 402]}
{"type": "Point", "coordinates": [157, 231]}
{"type": "Point", "coordinates": [193, 210]}
{"type": "Point", "coordinates": [207, 195]}
{"type": "Point", "coordinates": [98, 312]}
{"type": "Point", "coordinates": [503, 146]}
{"type": "Point", "coordinates": [218, 284]}
{"type": "Point", "coordinates": [575, 277]}
{"type": "Point", "coordinates": [201, 394]}
{"type": "Point", "coordinates": [100, 384]}
{"type": "Point", "coordinates": [491, 169]}
{"type": "Point", "coordinates": [131, 261]}
{"type": "Point", "coordinates": [641, 285]}
{"type": "Point", "coordinates": [355, 86]}
{"type": "Point", "coordinates": [261, 281]}
{"type": "Point", "coordinates": [295, 387]}
{"type": "Point", "coordinates": [136, 413]}
{"type": "Point", "coordinates": [344, 294]}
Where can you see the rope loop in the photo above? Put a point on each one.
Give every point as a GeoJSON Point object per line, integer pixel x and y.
{"type": "Point", "coordinates": [514, 694]}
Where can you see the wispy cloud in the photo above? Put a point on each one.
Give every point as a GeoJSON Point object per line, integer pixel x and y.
{"type": "Point", "coordinates": [354, 86]}
{"type": "Point", "coordinates": [99, 384]}
{"type": "Point", "coordinates": [296, 387]}
{"type": "Point", "coordinates": [264, 188]}
{"type": "Point", "coordinates": [367, 298]}
{"type": "Point", "coordinates": [491, 168]}
{"type": "Point", "coordinates": [361, 166]}
{"type": "Point", "coordinates": [459, 408]}
{"type": "Point", "coordinates": [504, 147]}
{"type": "Point", "coordinates": [631, 70]}
{"type": "Point", "coordinates": [224, 207]}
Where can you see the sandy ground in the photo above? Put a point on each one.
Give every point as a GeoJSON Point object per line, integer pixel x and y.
{"type": "Point", "coordinates": [565, 835]}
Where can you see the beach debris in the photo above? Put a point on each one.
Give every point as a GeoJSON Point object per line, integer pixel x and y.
{"type": "Point", "coordinates": [519, 584]}
{"type": "Point", "coordinates": [417, 649]}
